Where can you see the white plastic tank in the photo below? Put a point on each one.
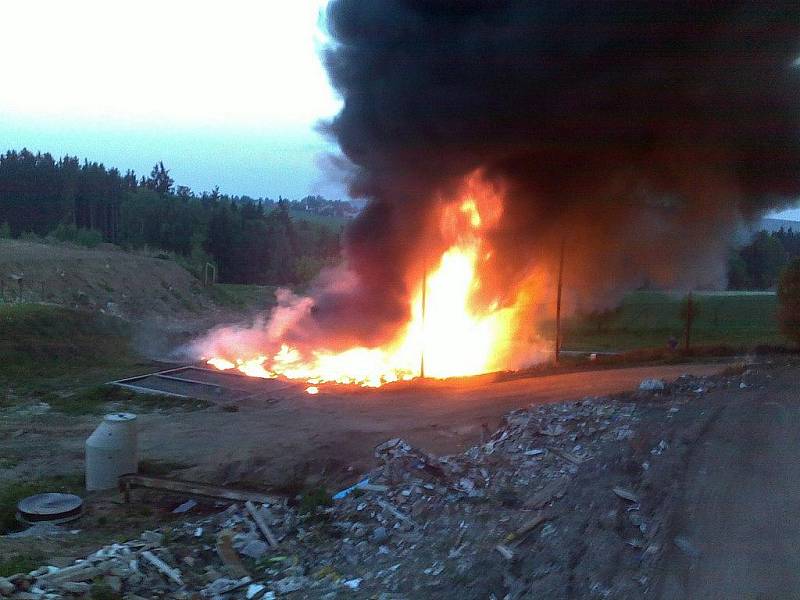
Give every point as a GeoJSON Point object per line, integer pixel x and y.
{"type": "Point", "coordinates": [112, 450]}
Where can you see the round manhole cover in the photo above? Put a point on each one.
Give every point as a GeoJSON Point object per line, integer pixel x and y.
{"type": "Point", "coordinates": [51, 507]}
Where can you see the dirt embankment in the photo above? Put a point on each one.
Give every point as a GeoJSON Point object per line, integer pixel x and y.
{"type": "Point", "coordinates": [105, 279]}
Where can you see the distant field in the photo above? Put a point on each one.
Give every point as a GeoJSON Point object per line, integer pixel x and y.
{"type": "Point", "coordinates": [335, 223]}
{"type": "Point", "coordinates": [648, 319]}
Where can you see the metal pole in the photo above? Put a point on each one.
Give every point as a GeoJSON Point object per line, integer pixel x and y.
{"type": "Point", "coordinates": [558, 301]}
{"type": "Point", "coordinates": [689, 319]}
{"type": "Point", "coordinates": [424, 301]}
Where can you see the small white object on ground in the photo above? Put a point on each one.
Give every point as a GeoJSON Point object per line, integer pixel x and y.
{"type": "Point", "coordinates": [652, 385]}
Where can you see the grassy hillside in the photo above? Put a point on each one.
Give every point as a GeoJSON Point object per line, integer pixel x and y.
{"type": "Point", "coordinates": [648, 319]}
{"type": "Point", "coordinates": [49, 346]}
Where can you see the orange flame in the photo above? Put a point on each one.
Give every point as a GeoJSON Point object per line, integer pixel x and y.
{"type": "Point", "coordinates": [450, 335]}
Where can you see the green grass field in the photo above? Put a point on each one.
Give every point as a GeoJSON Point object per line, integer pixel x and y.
{"type": "Point", "coordinates": [648, 319]}
{"type": "Point", "coordinates": [38, 340]}
{"type": "Point", "coordinates": [46, 349]}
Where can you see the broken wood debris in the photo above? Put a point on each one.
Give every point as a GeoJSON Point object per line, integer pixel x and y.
{"type": "Point", "coordinates": [551, 491]}
{"type": "Point", "coordinates": [261, 523]}
{"type": "Point", "coordinates": [78, 572]}
{"type": "Point", "coordinates": [570, 456]}
{"type": "Point", "coordinates": [626, 494]}
{"type": "Point", "coordinates": [396, 513]}
{"type": "Point", "coordinates": [505, 551]}
{"type": "Point", "coordinates": [193, 488]}
{"type": "Point", "coordinates": [527, 527]}
{"type": "Point", "coordinates": [173, 574]}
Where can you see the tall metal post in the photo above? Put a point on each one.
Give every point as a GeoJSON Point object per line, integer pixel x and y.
{"type": "Point", "coordinates": [424, 300]}
{"type": "Point", "coordinates": [687, 340]}
{"type": "Point", "coordinates": [558, 302]}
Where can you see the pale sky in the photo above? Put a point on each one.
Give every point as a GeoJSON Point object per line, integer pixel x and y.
{"type": "Point", "coordinates": [225, 93]}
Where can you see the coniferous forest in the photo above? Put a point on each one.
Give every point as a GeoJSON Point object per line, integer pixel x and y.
{"type": "Point", "coordinates": [250, 240]}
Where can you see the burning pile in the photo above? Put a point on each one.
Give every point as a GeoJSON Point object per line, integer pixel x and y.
{"type": "Point", "coordinates": [449, 332]}
{"type": "Point", "coordinates": [486, 134]}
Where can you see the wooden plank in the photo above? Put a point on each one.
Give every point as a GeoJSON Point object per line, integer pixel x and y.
{"type": "Point", "coordinates": [192, 488]}
{"type": "Point", "coordinates": [173, 574]}
{"type": "Point", "coordinates": [261, 523]}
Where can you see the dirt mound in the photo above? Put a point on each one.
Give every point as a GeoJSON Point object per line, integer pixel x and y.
{"type": "Point", "coordinates": [106, 279]}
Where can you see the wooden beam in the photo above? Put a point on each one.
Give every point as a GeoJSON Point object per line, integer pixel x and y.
{"type": "Point", "coordinates": [191, 488]}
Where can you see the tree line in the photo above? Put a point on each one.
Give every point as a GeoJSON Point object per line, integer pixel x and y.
{"type": "Point", "coordinates": [758, 265]}
{"type": "Point", "coordinates": [250, 240]}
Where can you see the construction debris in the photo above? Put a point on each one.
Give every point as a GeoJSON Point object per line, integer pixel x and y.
{"type": "Point", "coordinates": [260, 523]}
{"type": "Point", "coordinates": [626, 494]}
{"type": "Point", "coordinates": [173, 574]}
{"type": "Point", "coordinates": [509, 517]}
{"type": "Point", "coordinates": [652, 385]}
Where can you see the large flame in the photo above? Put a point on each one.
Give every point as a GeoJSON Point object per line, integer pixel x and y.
{"type": "Point", "coordinates": [447, 334]}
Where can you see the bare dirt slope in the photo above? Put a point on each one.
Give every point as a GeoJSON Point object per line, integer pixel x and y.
{"type": "Point", "coordinates": [741, 510]}
{"type": "Point", "coordinates": [104, 278]}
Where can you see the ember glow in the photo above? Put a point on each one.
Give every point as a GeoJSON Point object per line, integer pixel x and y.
{"type": "Point", "coordinates": [448, 333]}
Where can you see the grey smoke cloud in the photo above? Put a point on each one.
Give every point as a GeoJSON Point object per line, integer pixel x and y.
{"type": "Point", "coordinates": [642, 132]}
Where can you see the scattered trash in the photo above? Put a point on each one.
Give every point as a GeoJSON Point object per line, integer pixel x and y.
{"type": "Point", "coordinates": [361, 485]}
{"type": "Point", "coordinates": [626, 494]}
{"type": "Point", "coordinates": [260, 523]}
{"type": "Point", "coordinates": [652, 385]}
{"type": "Point", "coordinates": [379, 535]}
{"type": "Point", "coordinates": [394, 448]}
{"type": "Point", "coordinates": [414, 520]}
{"type": "Point", "coordinates": [552, 491]}
{"type": "Point", "coordinates": [527, 527]}
{"type": "Point", "coordinates": [505, 551]}
{"type": "Point", "coordinates": [173, 574]}
{"type": "Point", "coordinates": [353, 583]}
{"type": "Point", "coordinates": [253, 589]}
{"type": "Point", "coordinates": [185, 507]}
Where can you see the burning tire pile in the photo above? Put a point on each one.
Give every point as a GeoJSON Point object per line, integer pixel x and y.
{"type": "Point", "coordinates": [567, 500]}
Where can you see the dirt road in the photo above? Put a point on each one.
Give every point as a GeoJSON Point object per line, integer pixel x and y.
{"type": "Point", "coordinates": [741, 511]}
{"type": "Point", "coordinates": [289, 434]}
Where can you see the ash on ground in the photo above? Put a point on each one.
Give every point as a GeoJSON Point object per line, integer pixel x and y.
{"type": "Point", "coordinates": [563, 501]}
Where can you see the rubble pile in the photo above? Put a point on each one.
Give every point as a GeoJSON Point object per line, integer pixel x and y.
{"type": "Point", "coordinates": [563, 500]}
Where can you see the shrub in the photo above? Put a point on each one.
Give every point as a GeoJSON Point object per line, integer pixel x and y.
{"type": "Point", "coordinates": [89, 237]}
{"type": "Point", "coordinates": [84, 237]}
{"type": "Point", "coordinates": [789, 301]}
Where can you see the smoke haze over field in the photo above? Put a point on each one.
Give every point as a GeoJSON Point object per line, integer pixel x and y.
{"type": "Point", "coordinates": [642, 132]}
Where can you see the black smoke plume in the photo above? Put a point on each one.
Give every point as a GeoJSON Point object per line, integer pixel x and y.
{"type": "Point", "coordinates": [643, 133]}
